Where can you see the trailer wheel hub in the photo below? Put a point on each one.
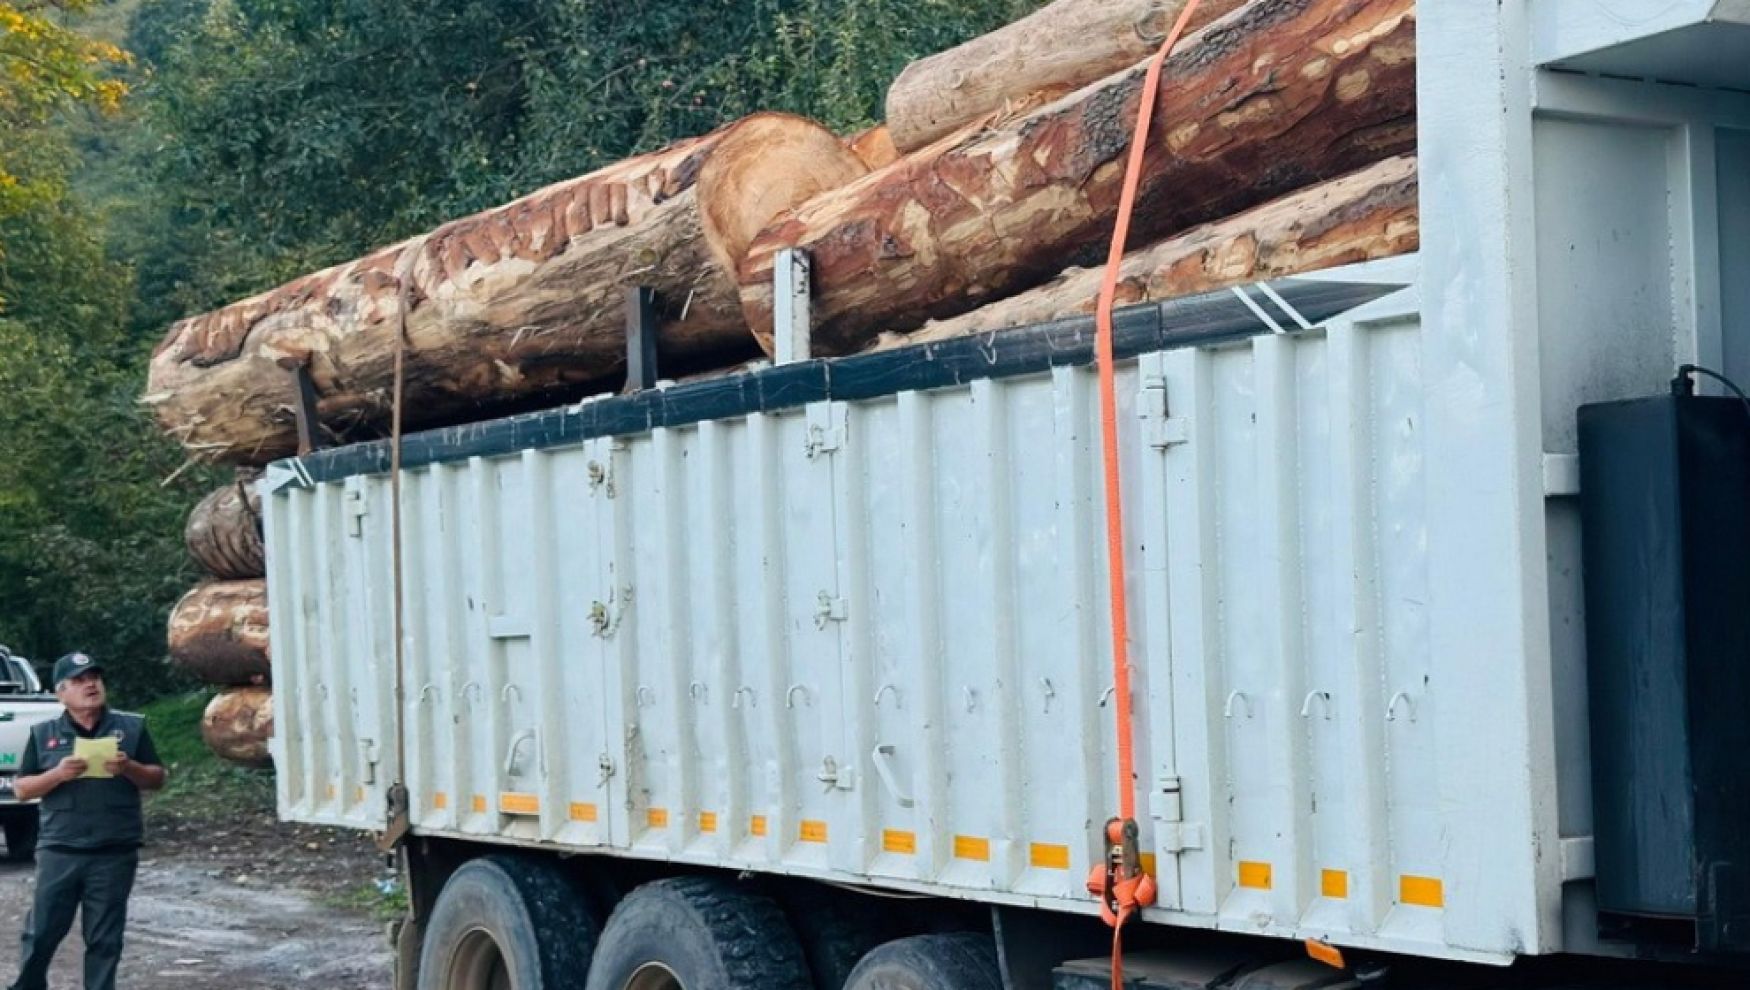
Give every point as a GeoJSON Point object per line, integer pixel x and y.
{"type": "Point", "coordinates": [654, 976]}
{"type": "Point", "coordinates": [478, 964]}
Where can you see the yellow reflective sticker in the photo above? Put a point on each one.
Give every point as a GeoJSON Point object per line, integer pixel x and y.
{"type": "Point", "coordinates": [972, 847]}
{"type": "Point", "coordinates": [511, 803]}
{"type": "Point", "coordinates": [1045, 856]}
{"type": "Point", "coordinates": [899, 841]}
{"type": "Point", "coordinates": [1421, 891]}
{"type": "Point", "coordinates": [1255, 876]}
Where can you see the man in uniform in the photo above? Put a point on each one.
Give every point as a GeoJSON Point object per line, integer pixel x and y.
{"type": "Point", "coordinates": [89, 840]}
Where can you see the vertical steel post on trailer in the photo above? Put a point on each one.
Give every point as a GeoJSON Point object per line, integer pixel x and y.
{"type": "Point", "coordinates": [1490, 696]}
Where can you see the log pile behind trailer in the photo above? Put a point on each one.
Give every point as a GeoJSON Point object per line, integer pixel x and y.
{"type": "Point", "coordinates": [219, 630]}
{"type": "Point", "coordinates": [1284, 142]}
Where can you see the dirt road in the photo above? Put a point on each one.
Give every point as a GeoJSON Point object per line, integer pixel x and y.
{"type": "Point", "coordinates": [248, 905]}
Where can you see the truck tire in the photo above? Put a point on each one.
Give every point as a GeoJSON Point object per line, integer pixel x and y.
{"type": "Point", "coordinates": [697, 933]}
{"type": "Point", "coordinates": [836, 932]}
{"type": "Point", "coordinates": [20, 827]}
{"type": "Point", "coordinates": [931, 962]}
{"type": "Point", "coordinates": [507, 923]}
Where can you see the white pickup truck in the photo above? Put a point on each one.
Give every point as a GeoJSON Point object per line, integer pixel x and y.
{"type": "Point", "coordinates": [23, 703]}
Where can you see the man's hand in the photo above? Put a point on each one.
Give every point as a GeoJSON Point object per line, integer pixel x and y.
{"type": "Point", "coordinates": [142, 775]}
{"type": "Point", "coordinates": [34, 786]}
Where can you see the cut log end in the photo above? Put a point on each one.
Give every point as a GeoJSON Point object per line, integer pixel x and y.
{"type": "Point", "coordinates": [767, 165]}
{"type": "Point", "coordinates": [238, 726]}
{"type": "Point", "coordinates": [224, 530]}
{"type": "Point", "coordinates": [218, 633]}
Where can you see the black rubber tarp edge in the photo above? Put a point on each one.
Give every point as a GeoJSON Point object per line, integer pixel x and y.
{"type": "Point", "coordinates": [1196, 320]}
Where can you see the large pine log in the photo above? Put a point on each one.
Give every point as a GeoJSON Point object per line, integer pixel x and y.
{"type": "Point", "coordinates": [238, 726]}
{"type": "Point", "coordinates": [1275, 97]}
{"type": "Point", "coordinates": [1362, 216]}
{"type": "Point", "coordinates": [1058, 48]}
{"type": "Point", "coordinates": [224, 530]}
{"type": "Point", "coordinates": [518, 304]}
{"type": "Point", "coordinates": [218, 633]}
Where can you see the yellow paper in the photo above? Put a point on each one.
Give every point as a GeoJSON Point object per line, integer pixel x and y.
{"type": "Point", "coordinates": [95, 753]}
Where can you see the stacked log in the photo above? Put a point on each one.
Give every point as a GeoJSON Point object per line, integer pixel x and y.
{"type": "Point", "coordinates": [517, 304]}
{"type": "Point", "coordinates": [219, 630]}
{"type": "Point", "coordinates": [1052, 51]}
{"type": "Point", "coordinates": [218, 633]}
{"type": "Point", "coordinates": [1267, 100]}
{"type": "Point", "coordinates": [1283, 143]}
{"type": "Point", "coordinates": [224, 530]}
{"type": "Point", "coordinates": [1363, 216]}
{"type": "Point", "coordinates": [238, 726]}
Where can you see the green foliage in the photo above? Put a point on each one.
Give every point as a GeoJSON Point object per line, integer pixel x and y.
{"type": "Point", "coordinates": [289, 135]}
{"type": "Point", "coordinates": [201, 786]}
{"type": "Point", "coordinates": [45, 67]}
{"type": "Point", "coordinates": [384, 901]}
{"type": "Point", "coordinates": [175, 722]}
{"type": "Point", "coordinates": [90, 549]}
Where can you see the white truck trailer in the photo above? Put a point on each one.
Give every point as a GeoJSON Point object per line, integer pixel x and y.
{"type": "Point", "coordinates": [735, 683]}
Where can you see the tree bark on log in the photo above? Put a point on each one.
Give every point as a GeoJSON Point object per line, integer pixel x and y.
{"type": "Point", "coordinates": [238, 726]}
{"type": "Point", "coordinates": [1058, 48]}
{"type": "Point", "coordinates": [1362, 216]}
{"type": "Point", "coordinates": [218, 633]}
{"type": "Point", "coordinates": [224, 530]}
{"type": "Point", "coordinates": [1270, 99]}
{"type": "Point", "coordinates": [519, 304]}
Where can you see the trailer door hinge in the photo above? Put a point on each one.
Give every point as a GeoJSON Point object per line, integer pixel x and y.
{"type": "Point", "coordinates": [355, 510]}
{"type": "Point", "coordinates": [368, 765]}
{"type": "Point", "coordinates": [835, 777]}
{"type": "Point", "coordinates": [830, 609]}
{"type": "Point", "coordinates": [1159, 428]}
{"type": "Point", "coordinates": [827, 429]}
{"type": "Point", "coordinates": [1166, 805]}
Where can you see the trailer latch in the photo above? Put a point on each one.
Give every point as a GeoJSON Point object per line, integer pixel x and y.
{"type": "Point", "coordinates": [398, 823]}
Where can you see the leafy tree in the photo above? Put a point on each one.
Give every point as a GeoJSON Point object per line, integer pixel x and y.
{"type": "Point", "coordinates": [90, 548]}
{"type": "Point", "coordinates": [290, 135]}
{"type": "Point", "coordinates": [45, 68]}
{"type": "Point", "coordinates": [89, 539]}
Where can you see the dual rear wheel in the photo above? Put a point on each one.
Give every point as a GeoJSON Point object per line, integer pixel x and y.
{"type": "Point", "coordinates": [513, 923]}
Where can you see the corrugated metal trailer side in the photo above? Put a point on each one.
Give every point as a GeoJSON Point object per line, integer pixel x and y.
{"type": "Point", "coordinates": [864, 641]}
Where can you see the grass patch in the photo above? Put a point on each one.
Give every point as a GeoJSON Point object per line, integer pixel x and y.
{"type": "Point", "coordinates": [201, 785]}
{"type": "Point", "coordinates": [382, 902]}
